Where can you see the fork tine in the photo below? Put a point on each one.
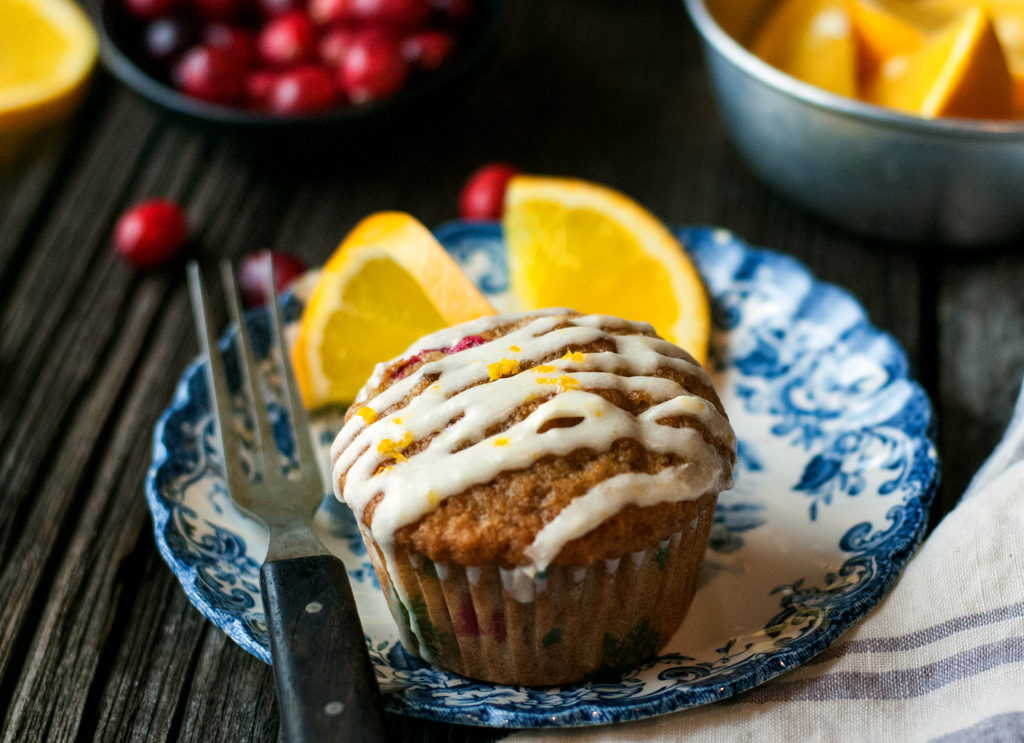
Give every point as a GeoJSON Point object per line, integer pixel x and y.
{"type": "Point", "coordinates": [293, 400]}
{"type": "Point", "coordinates": [270, 466]}
{"type": "Point", "coordinates": [216, 380]}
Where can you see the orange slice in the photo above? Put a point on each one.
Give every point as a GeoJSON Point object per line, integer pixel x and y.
{"type": "Point", "coordinates": [580, 245]}
{"type": "Point", "coordinates": [880, 35]}
{"type": "Point", "coordinates": [961, 72]}
{"type": "Point", "coordinates": [813, 41]}
{"type": "Point", "coordinates": [1008, 18]}
{"type": "Point", "coordinates": [387, 284]}
{"type": "Point", "coordinates": [47, 51]}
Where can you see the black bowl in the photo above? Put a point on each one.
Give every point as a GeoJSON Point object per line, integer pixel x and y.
{"type": "Point", "coordinates": [121, 50]}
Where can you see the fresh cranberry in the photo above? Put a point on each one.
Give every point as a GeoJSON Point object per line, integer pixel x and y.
{"type": "Point", "coordinates": [275, 8]}
{"type": "Point", "coordinates": [150, 233]}
{"type": "Point", "coordinates": [288, 39]}
{"type": "Point", "coordinates": [334, 43]}
{"type": "Point", "coordinates": [303, 90]}
{"type": "Point", "coordinates": [239, 41]}
{"type": "Point", "coordinates": [258, 87]}
{"type": "Point", "coordinates": [150, 10]}
{"type": "Point", "coordinates": [397, 14]}
{"type": "Point", "coordinates": [324, 12]}
{"type": "Point", "coordinates": [372, 68]}
{"type": "Point", "coordinates": [211, 74]}
{"type": "Point", "coordinates": [252, 275]}
{"type": "Point", "coordinates": [220, 10]}
{"type": "Point", "coordinates": [453, 11]}
{"type": "Point", "coordinates": [428, 50]}
{"type": "Point", "coordinates": [470, 341]}
{"type": "Point", "coordinates": [167, 38]}
{"type": "Point", "coordinates": [483, 196]}
{"type": "Point", "coordinates": [405, 14]}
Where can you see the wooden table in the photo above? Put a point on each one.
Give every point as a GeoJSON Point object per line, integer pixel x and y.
{"type": "Point", "coordinates": [97, 640]}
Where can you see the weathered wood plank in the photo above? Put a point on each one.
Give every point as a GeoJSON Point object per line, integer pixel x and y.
{"type": "Point", "coordinates": [92, 539]}
{"type": "Point", "coordinates": [99, 642]}
{"type": "Point", "coordinates": [981, 324]}
{"type": "Point", "coordinates": [71, 389]}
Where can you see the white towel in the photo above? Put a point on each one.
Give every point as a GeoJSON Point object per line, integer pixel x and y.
{"type": "Point", "coordinates": [940, 659]}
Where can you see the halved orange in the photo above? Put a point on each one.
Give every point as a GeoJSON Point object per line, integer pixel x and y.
{"type": "Point", "coordinates": [580, 245]}
{"type": "Point", "coordinates": [387, 284]}
{"type": "Point", "coordinates": [961, 72]}
{"type": "Point", "coordinates": [813, 41]}
{"type": "Point", "coordinates": [47, 51]}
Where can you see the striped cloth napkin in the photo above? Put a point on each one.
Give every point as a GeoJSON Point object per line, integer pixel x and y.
{"type": "Point", "coordinates": [940, 659]}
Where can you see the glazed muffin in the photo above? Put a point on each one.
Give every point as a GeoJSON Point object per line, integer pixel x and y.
{"type": "Point", "coordinates": [536, 491]}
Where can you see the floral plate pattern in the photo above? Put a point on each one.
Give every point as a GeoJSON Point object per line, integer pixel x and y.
{"type": "Point", "coordinates": [837, 469]}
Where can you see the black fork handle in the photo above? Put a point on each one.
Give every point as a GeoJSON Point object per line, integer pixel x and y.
{"type": "Point", "coordinates": [326, 687]}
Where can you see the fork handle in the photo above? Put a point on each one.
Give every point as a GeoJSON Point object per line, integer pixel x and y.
{"type": "Point", "coordinates": [326, 687]}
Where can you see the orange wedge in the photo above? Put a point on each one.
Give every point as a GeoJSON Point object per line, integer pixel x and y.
{"type": "Point", "coordinates": [387, 284]}
{"type": "Point", "coordinates": [579, 245]}
{"type": "Point", "coordinates": [880, 35]}
{"type": "Point", "coordinates": [47, 51]}
{"type": "Point", "coordinates": [961, 73]}
{"type": "Point", "coordinates": [813, 41]}
{"type": "Point", "coordinates": [1008, 18]}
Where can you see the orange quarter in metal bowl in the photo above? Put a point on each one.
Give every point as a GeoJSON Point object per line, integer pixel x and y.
{"type": "Point", "coordinates": [894, 176]}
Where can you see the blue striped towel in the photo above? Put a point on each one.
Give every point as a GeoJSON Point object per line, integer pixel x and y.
{"type": "Point", "coordinates": [940, 659]}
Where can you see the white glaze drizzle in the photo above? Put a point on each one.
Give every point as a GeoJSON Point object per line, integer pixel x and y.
{"type": "Point", "coordinates": [463, 387]}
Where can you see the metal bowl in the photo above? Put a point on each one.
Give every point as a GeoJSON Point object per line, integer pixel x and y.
{"type": "Point", "coordinates": [956, 182]}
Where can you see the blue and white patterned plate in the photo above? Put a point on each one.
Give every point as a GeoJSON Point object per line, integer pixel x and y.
{"type": "Point", "coordinates": [837, 469]}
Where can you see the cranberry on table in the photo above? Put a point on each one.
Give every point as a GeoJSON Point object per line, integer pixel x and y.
{"type": "Point", "coordinates": [305, 89]}
{"type": "Point", "coordinates": [288, 39]}
{"type": "Point", "coordinates": [483, 196]}
{"type": "Point", "coordinates": [211, 74]}
{"type": "Point", "coordinates": [428, 50]}
{"type": "Point", "coordinates": [150, 233]}
{"type": "Point", "coordinates": [372, 68]}
{"type": "Point", "coordinates": [252, 275]}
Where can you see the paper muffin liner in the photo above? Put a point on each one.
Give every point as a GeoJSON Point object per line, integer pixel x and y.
{"type": "Point", "coordinates": [558, 626]}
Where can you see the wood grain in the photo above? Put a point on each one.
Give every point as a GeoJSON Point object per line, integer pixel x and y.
{"type": "Point", "coordinates": [97, 640]}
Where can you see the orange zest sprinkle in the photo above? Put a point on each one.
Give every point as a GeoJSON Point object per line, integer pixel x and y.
{"type": "Point", "coordinates": [369, 415]}
{"type": "Point", "coordinates": [514, 349]}
{"type": "Point", "coordinates": [382, 469]}
{"type": "Point", "coordinates": [565, 381]}
{"type": "Point", "coordinates": [501, 442]}
{"type": "Point", "coordinates": [394, 448]}
{"type": "Point", "coordinates": [503, 368]}
{"type": "Point", "coordinates": [543, 368]}
{"type": "Point", "coordinates": [576, 356]}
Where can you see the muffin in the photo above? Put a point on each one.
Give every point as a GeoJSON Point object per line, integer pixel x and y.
{"type": "Point", "coordinates": [536, 491]}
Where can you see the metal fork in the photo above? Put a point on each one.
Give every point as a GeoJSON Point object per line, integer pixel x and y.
{"type": "Point", "coordinates": [326, 687]}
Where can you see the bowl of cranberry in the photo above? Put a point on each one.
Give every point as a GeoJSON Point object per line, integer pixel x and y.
{"type": "Point", "coordinates": [273, 63]}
